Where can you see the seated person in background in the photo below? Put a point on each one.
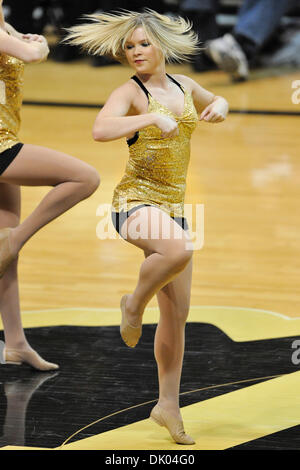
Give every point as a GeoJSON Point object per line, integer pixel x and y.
{"type": "Point", "coordinates": [257, 21]}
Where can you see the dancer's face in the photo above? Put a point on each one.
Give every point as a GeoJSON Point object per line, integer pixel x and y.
{"type": "Point", "coordinates": [143, 56]}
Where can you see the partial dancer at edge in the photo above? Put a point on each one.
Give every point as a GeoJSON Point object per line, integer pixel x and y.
{"type": "Point", "coordinates": [27, 165]}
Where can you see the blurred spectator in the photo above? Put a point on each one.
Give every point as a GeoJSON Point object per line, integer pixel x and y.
{"type": "Point", "coordinates": [234, 52]}
{"type": "Point", "coordinates": [134, 5]}
{"type": "Point", "coordinates": [287, 54]}
{"type": "Point", "coordinates": [202, 13]}
{"type": "Point", "coordinates": [257, 20]}
{"type": "Point", "coordinates": [20, 15]}
{"type": "Point", "coordinates": [65, 13]}
{"type": "Point", "coordinates": [33, 15]}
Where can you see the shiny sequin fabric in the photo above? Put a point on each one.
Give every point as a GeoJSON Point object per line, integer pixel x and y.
{"type": "Point", "coordinates": [156, 171]}
{"type": "Point", "coordinates": [11, 81]}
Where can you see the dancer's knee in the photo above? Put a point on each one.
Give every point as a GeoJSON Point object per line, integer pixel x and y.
{"type": "Point", "coordinates": [183, 314]}
{"type": "Point", "coordinates": [8, 218]}
{"type": "Point", "coordinates": [90, 181]}
{"type": "Point", "coordinates": [179, 257]}
{"type": "Point", "coordinates": [10, 275]}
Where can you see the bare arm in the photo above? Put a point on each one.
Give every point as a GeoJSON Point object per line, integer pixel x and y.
{"type": "Point", "coordinates": [12, 31]}
{"type": "Point", "coordinates": [216, 111]}
{"type": "Point", "coordinates": [211, 108]}
{"type": "Point", "coordinates": [28, 48]}
{"type": "Point", "coordinates": [113, 121]}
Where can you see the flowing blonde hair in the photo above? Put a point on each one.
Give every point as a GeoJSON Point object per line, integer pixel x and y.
{"type": "Point", "coordinates": [107, 33]}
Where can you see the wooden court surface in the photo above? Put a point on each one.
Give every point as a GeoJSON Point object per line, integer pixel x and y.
{"type": "Point", "coordinates": [240, 378]}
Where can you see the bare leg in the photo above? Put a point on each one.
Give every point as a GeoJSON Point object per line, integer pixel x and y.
{"type": "Point", "coordinates": [9, 290]}
{"type": "Point", "coordinates": [174, 304]}
{"type": "Point", "coordinates": [72, 181]}
{"type": "Point", "coordinates": [17, 349]}
{"type": "Point", "coordinates": [166, 272]}
{"type": "Point", "coordinates": [167, 257]}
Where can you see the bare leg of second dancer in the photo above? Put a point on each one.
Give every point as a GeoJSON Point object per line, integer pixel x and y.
{"type": "Point", "coordinates": [72, 181]}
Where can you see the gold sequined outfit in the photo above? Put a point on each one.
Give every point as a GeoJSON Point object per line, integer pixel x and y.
{"type": "Point", "coordinates": [11, 81]}
{"type": "Point", "coordinates": [156, 171]}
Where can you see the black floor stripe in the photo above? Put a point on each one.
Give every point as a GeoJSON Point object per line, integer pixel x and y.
{"type": "Point", "coordinates": [99, 375]}
{"type": "Point", "coordinates": [62, 105]}
{"type": "Point", "coordinates": [288, 439]}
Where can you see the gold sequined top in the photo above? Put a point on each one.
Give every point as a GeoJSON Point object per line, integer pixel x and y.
{"type": "Point", "coordinates": [11, 81]}
{"type": "Point", "coordinates": [156, 171]}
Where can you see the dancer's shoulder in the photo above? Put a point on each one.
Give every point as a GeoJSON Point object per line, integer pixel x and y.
{"type": "Point", "coordinates": [187, 82]}
{"type": "Point", "coordinates": [126, 91]}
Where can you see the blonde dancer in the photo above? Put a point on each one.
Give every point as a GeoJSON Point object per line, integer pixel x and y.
{"type": "Point", "coordinates": [157, 113]}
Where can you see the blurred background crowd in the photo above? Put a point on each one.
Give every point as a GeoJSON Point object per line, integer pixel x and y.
{"type": "Point", "coordinates": [235, 34]}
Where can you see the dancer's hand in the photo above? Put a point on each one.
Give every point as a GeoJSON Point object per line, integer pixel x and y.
{"type": "Point", "coordinates": [34, 37]}
{"type": "Point", "coordinates": [167, 125]}
{"type": "Point", "coordinates": [216, 111]}
{"type": "Point", "coordinates": [39, 42]}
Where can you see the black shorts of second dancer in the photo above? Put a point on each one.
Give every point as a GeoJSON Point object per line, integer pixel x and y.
{"type": "Point", "coordinates": [7, 157]}
{"type": "Point", "coordinates": [118, 218]}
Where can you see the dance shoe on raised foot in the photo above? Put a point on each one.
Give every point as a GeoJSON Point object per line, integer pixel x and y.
{"type": "Point", "coordinates": [19, 356]}
{"type": "Point", "coordinates": [6, 255]}
{"type": "Point", "coordinates": [130, 334]}
{"type": "Point", "coordinates": [174, 425]}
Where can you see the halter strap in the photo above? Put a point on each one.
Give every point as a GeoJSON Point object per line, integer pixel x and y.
{"type": "Point", "coordinates": [175, 81]}
{"type": "Point", "coordinates": [147, 93]}
{"type": "Point", "coordinates": [138, 81]}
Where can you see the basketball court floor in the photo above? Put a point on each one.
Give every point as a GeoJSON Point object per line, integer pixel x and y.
{"type": "Point", "coordinates": [241, 372]}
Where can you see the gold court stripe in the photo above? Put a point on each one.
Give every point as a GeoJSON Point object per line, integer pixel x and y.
{"type": "Point", "coordinates": [240, 324]}
{"type": "Point", "coordinates": [218, 423]}
{"type": "Point", "coordinates": [153, 401]}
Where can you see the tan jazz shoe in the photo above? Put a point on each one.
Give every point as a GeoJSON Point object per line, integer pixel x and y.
{"type": "Point", "coordinates": [130, 334]}
{"type": "Point", "coordinates": [19, 356]}
{"type": "Point", "coordinates": [6, 255]}
{"type": "Point", "coordinates": [174, 425]}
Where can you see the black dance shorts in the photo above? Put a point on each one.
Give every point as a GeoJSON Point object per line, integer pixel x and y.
{"type": "Point", "coordinates": [8, 156]}
{"type": "Point", "coordinates": [118, 218]}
